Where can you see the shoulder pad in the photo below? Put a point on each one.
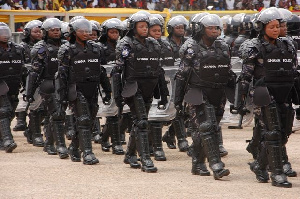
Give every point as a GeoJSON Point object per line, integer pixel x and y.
{"type": "Point", "coordinates": [38, 48]}
{"type": "Point", "coordinates": [63, 50]}
{"type": "Point", "coordinates": [250, 48]}
{"type": "Point", "coordinates": [150, 39]}
{"type": "Point", "coordinates": [289, 42]}
{"type": "Point", "coordinates": [165, 43]}
{"type": "Point", "coordinates": [188, 47]}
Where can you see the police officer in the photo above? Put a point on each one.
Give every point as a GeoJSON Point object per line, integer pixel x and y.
{"type": "Point", "coordinates": [12, 70]}
{"type": "Point", "coordinates": [44, 66]}
{"type": "Point", "coordinates": [78, 79]}
{"type": "Point", "coordinates": [244, 32]}
{"type": "Point", "coordinates": [204, 73]}
{"type": "Point", "coordinates": [110, 32]}
{"type": "Point", "coordinates": [167, 59]}
{"type": "Point", "coordinates": [176, 28]}
{"type": "Point", "coordinates": [138, 60]}
{"type": "Point", "coordinates": [271, 62]}
{"type": "Point", "coordinates": [32, 34]}
{"type": "Point", "coordinates": [293, 28]}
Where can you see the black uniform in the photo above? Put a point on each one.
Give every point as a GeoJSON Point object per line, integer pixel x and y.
{"type": "Point", "coordinates": [79, 76]}
{"type": "Point", "coordinates": [12, 71]}
{"type": "Point", "coordinates": [140, 65]}
{"type": "Point", "coordinates": [272, 68]}
{"type": "Point", "coordinates": [201, 80]}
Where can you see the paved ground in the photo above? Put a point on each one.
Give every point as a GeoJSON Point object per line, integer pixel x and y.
{"type": "Point", "coordinates": [29, 173]}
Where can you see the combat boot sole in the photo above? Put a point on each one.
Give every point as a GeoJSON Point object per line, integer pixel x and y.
{"type": "Point", "coordinates": [10, 148]}
{"type": "Point", "coordinates": [220, 174]}
{"type": "Point", "coordinates": [149, 169]}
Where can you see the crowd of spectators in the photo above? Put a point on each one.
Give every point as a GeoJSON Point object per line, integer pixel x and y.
{"type": "Point", "coordinates": [171, 5]}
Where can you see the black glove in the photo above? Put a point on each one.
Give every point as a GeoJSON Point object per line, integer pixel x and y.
{"type": "Point", "coordinates": [119, 101]}
{"type": "Point", "coordinates": [107, 98]}
{"type": "Point", "coordinates": [179, 109]}
{"type": "Point", "coordinates": [163, 102]}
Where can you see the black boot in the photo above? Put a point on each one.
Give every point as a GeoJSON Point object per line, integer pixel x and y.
{"type": "Point", "coordinates": [156, 132]}
{"type": "Point", "coordinates": [261, 174]}
{"type": "Point", "coordinates": [1, 143]}
{"type": "Point", "coordinates": [70, 126]}
{"type": "Point", "coordinates": [28, 134]}
{"type": "Point", "coordinates": [223, 151]}
{"type": "Point", "coordinates": [85, 142]}
{"type": "Point", "coordinates": [180, 134]}
{"type": "Point", "coordinates": [34, 128]}
{"type": "Point", "coordinates": [130, 155]}
{"type": "Point", "coordinates": [97, 131]}
{"type": "Point", "coordinates": [211, 148]}
{"type": "Point", "coordinates": [115, 137]}
{"type": "Point", "coordinates": [287, 167]}
{"type": "Point", "coordinates": [198, 161]}
{"type": "Point", "coordinates": [21, 121]}
{"type": "Point", "coordinates": [60, 139]}
{"type": "Point", "coordinates": [278, 177]}
{"type": "Point", "coordinates": [8, 141]}
{"type": "Point", "coordinates": [143, 150]}
{"type": "Point", "coordinates": [49, 142]}
{"type": "Point", "coordinates": [105, 145]}
{"type": "Point", "coordinates": [74, 149]}
{"type": "Point", "coordinates": [169, 139]}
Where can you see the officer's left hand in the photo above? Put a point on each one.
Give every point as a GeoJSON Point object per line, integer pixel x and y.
{"type": "Point", "coordinates": [163, 102]}
{"type": "Point", "coordinates": [107, 98]}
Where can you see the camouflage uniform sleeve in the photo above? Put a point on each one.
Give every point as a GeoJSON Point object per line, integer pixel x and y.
{"type": "Point", "coordinates": [63, 57]}
{"type": "Point", "coordinates": [38, 57]}
{"type": "Point", "coordinates": [123, 51]}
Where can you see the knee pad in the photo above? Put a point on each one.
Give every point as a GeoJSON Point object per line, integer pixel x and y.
{"type": "Point", "coordinates": [142, 124]}
{"type": "Point", "coordinates": [207, 127]}
{"type": "Point", "coordinates": [272, 135]}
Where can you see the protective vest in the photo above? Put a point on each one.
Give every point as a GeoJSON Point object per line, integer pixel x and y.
{"type": "Point", "coordinates": [86, 69]}
{"type": "Point", "coordinates": [144, 63]}
{"type": "Point", "coordinates": [237, 43]}
{"type": "Point", "coordinates": [211, 66]}
{"type": "Point", "coordinates": [167, 58]}
{"type": "Point", "coordinates": [52, 66]}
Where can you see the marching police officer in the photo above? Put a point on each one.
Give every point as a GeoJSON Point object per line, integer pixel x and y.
{"type": "Point", "coordinates": [12, 69]}
{"type": "Point", "coordinates": [44, 66]}
{"type": "Point", "coordinates": [33, 34]}
{"type": "Point", "coordinates": [77, 80]}
{"type": "Point", "coordinates": [271, 62]}
{"type": "Point", "coordinates": [110, 31]}
{"type": "Point", "coordinates": [204, 73]}
{"type": "Point", "coordinates": [138, 64]}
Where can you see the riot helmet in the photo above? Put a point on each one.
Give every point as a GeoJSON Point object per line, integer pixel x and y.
{"type": "Point", "coordinates": [5, 33]}
{"type": "Point", "coordinates": [29, 26]}
{"type": "Point", "coordinates": [154, 21]}
{"type": "Point", "coordinates": [65, 30]}
{"type": "Point", "coordinates": [155, 28]}
{"type": "Point", "coordinates": [286, 14]}
{"type": "Point", "coordinates": [134, 19]}
{"type": "Point", "coordinates": [293, 25]}
{"type": "Point", "coordinates": [265, 17]}
{"type": "Point", "coordinates": [194, 19]}
{"type": "Point", "coordinates": [106, 27]}
{"type": "Point", "coordinates": [161, 19]}
{"type": "Point", "coordinates": [49, 24]}
{"type": "Point", "coordinates": [82, 26]}
{"type": "Point", "coordinates": [236, 23]}
{"type": "Point", "coordinates": [176, 21]}
{"type": "Point", "coordinates": [95, 27]}
{"type": "Point", "coordinates": [207, 21]}
{"type": "Point", "coordinates": [75, 18]}
{"type": "Point", "coordinates": [144, 12]}
{"type": "Point", "coordinates": [246, 23]}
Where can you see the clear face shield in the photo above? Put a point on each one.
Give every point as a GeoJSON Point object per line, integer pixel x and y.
{"type": "Point", "coordinates": [5, 34]}
{"type": "Point", "coordinates": [82, 26]}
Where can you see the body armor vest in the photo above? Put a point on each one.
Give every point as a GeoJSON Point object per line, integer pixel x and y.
{"type": "Point", "coordinates": [168, 55]}
{"type": "Point", "coordinates": [144, 63]}
{"type": "Point", "coordinates": [86, 69]}
{"type": "Point", "coordinates": [52, 63]}
{"type": "Point", "coordinates": [237, 43]}
{"type": "Point", "coordinates": [211, 67]}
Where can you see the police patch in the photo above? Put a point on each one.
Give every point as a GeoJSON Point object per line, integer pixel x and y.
{"type": "Point", "coordinates": [125, 52]}
{"type": "Point", "coordinates": [190, 51]}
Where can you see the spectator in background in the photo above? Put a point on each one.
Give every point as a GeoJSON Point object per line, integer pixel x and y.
{"type": "Point", "coordinates": [229, 4]}
{"type": "Point", "coordinates": [101, 4]}
{"type": "Point", "coordinates": [68, 5]}
{"type": "Point", "coordinates": [89, 4]}
{"type": "Point", "coordinates": [33, 5]}
{"type": "Point", "coordinates": [170, 5]}
{"type": "Point", "coordinates": [202, 5]}
{"type": "Point", "coordinates": [159, 6]}
{"type": "Point", "coordinates": [151, 5]}
{"type": "Point", "coordinates": [272, 3]}
{"type": "Point", "coordinates": [24, 5]}
{"type": "Point", "coordinates": [294, 6]}
{"type": "Point", "coordinates": [220, 6]}
{"type": "Point", "coordinates": [283, 4]}
{"type": "Point", "coordinates": [78, 5]}
{"type": "Point", "coordinates": [7, 5]}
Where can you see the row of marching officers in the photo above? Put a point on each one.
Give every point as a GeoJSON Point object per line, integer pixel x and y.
{"type": "Point", "coordinates": [69, 74]}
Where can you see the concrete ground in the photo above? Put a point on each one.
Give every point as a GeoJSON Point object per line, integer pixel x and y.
{"type": "Point", "coordinates": [29, 172]}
